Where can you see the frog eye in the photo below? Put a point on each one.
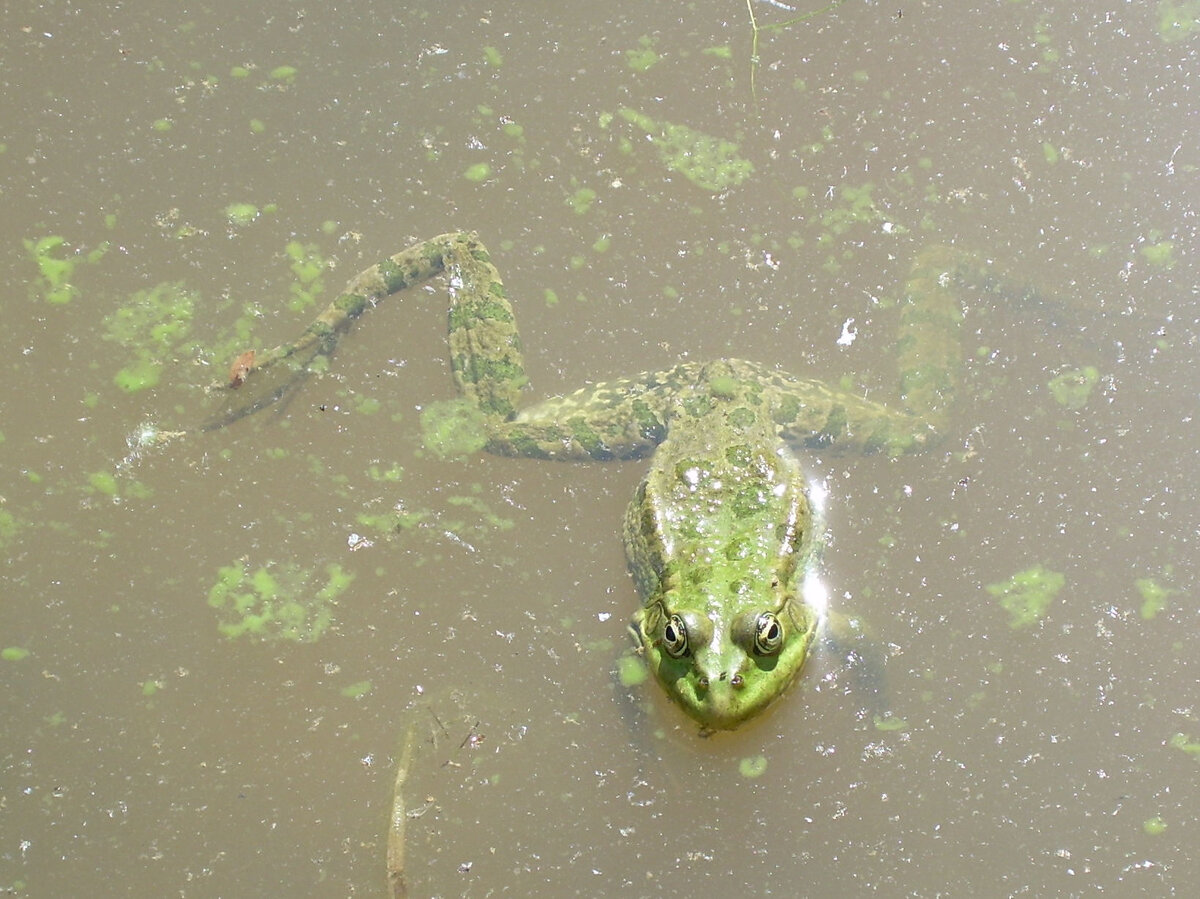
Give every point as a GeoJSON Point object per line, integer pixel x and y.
{"type": "Point", "coordinates": [675, 637]}
{"type": "Point", "coordinates": [768, 634]}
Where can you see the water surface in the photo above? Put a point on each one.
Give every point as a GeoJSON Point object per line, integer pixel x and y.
{"type": "Point", "coordinates": [202, 180]}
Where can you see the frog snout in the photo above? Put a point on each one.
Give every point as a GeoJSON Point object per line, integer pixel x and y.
{"type": "Point", "coordinates": [723, 677]}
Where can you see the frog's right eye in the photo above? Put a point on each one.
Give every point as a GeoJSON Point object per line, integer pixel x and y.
{"type": "Point", "coordinates": [675, 637]}
{"type": "Point", "coordinates": [768, 634]}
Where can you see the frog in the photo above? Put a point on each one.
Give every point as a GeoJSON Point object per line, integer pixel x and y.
{"type": "Point", "coordinates": [720, 531]}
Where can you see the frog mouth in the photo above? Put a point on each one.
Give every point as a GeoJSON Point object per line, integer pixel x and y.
{"type": "Point", "coordinates": [727, 707]}
{"type": "Point", "coordinates": [723, 700]}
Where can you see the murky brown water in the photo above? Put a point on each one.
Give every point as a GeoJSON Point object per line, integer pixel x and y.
{"type": "Point", "coordinates": [144, 753]}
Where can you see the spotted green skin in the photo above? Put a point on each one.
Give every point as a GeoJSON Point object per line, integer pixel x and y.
{"type": "Point", "coordinates": [719, 530]}
{"type": "Point", "coordinates": [717, 534]}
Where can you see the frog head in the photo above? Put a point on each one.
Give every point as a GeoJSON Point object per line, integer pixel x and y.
{"type": "Point", "coordinates": [724, 667]}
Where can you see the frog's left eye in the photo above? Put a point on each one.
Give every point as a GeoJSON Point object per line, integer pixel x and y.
{"type": "Point", "coordinates": [768, 634]}
{"type": "Point", "coordinates": [675, 637]}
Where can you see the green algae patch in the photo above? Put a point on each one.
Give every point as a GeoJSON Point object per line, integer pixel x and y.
{"type": "Point", "coordinates": [10, 527]}
{"type": "Point", "coordinates": [14, 653]}
{"type": "Point", "coordinates": [1178, 20]}
{"type": "Point", "coordinates": [1160, 254]}
{"type": "Point", "coordinates": [487, 517]}
{"type": "Point", "coordinates": [276, 603]}
{"type": "Point", "coordinates": [139, 375]}
{"type": "Point", "coordinates": [854, 205]}
{"type": "Point", "coordinates": [644, 57]}
{"type": "Point", "coordinates": [631, 670]}
{"type": "Point", "coordinates": [56, 270]}
{"type": "Point", "coordinates": [480, 171]}
{"type": "Point", "coordinates": [391, 475]}
{"type": "Point", "coordinates": [1154, 596]}
{"type": "Point", "coordinates": [159, 318]}
{"type": "Point", "coordinates": [284, 74]}
{"type": "Point", "coordinates": [397, 520]}
{"type": "Point", "coordinates": [153, 326]}
{"type": "Point", "coordinates": [581, 201]}
{"type": "Point", "coordinates": [493, 57]}
{"type": "Point", "coordinates": [888, 723]}
{"type": "Point", "coordinates": [709, 162]}
{"type": "Point", "coordinates": [367, 405]}
{"type": "Point", "coordinates": [1185, 744]}
{"type": "Point", "coordinates": [308, 266]}
{"type": "Point", "coordinates": [453, 428]}
{"type": "Point", "coordinates": [752, 766]}
{"type": "Point", "coordinates": [1155, 826]}
{"type": "Point", "coordinates": [241, 214]}
{"type": "Point", "coordinates": [103, 482]}
{"type": "Point", "coordinates": [1073, 389]}
{"type": "Point", "coordinates": [357, 690]}
{"type": "Point", "coordinates": [1027, 594]}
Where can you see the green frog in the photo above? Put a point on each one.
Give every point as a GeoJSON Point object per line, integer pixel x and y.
{"type": "Point", "coordinates": [720, 529]}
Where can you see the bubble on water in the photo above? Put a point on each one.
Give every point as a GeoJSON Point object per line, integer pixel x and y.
{"type": "Point", "coordinates": [146, 436]}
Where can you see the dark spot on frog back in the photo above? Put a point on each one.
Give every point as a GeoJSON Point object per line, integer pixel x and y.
{"type": "Point", "coordinates": [742, 418]}
{"type": "Point", "coordinates": [740, 455]}
{"type": "Point", "coordinates": [737, 549]}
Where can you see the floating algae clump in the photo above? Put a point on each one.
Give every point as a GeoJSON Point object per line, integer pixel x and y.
{"type": "Point", "coordinates": [276, 603]}
{"type": "Point", "coordinates": [708, 162]}
{"type": "Point", "coordinates": [56, 268]}
{"type": "Point", "coordinates": [241, 214]}
{"type": "Point", "coordinates": [1178, 20]}
{"type": "Point", "coordinates": [1027, 594]}
{"type": "Point", "coordinates": [1073, 388]}
{"type": "Point", "coordinates": [153, 326]}
{"type": "Point", "coordinates": [453, 428]}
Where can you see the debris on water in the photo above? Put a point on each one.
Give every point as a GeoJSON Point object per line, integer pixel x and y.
{"type": "Point", "coordinates": [144, 437]}
{"type": "Point", "coordinates": [242, 366]}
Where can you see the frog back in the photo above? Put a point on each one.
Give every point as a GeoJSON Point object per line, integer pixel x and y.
{"type": "Point", "coordinates": [723, 503]}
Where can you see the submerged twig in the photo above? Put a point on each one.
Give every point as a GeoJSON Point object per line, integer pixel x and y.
{"type": "Point", "coordinates": [755, 28]}
{"type": "Point", "coordinates": [397, 885]}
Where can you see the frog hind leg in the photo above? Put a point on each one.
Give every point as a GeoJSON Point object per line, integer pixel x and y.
{"type": "Point", "coordinates": [611, 420]}
{"type": "Point", "coordinates": [485, 348]}
{"type": "Point", "coordinates": [929, 358]}
{"type": "Point", "coordinates": [929, 349]}
{"type": "Point", "coordinates": [618, 419]}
